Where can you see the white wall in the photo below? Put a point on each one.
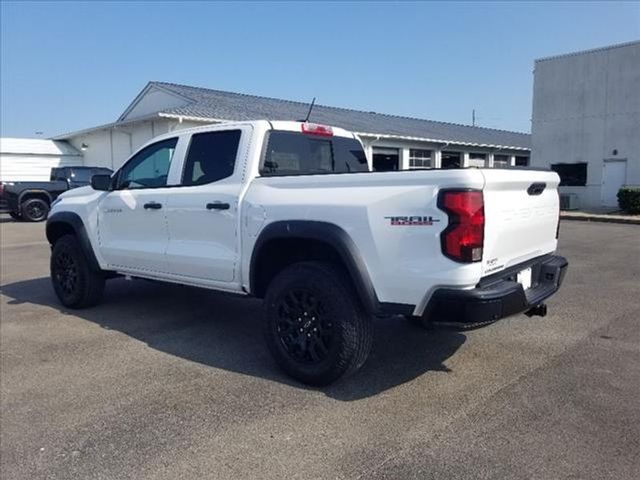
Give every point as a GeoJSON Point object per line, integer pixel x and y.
{"type": "Point", "coordinates": [585, 106]}
{"type": "Point", "coordinates": [112, 146]}
{"type": "Point", "coordinates": [33, 168]}
{"type": "Point", "coordinates": [404, 147]}
{"type": "Point", "coordinates": [153, 101]}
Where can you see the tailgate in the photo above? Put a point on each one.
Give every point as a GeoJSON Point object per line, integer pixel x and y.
{"type": "Point", "coordinates": [521, 212]}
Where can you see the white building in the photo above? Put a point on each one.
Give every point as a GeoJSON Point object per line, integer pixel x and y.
{"type": "Point", "coordinates": [31, 159]}
{"type": "Point", "coordinates": [586, 121]}
{"type": "Point", "coordinates": [392, 142]}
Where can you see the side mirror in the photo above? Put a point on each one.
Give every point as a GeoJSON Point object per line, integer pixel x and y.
{"type": "Point", "coordinates": [101, 182]}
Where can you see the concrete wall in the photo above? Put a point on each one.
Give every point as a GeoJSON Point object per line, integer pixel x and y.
{"type": "Point", "coordinates": [586, 108]}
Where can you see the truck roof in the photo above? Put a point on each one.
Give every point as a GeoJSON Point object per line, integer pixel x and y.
{"type": "Point", "coordinates": [286, 125]}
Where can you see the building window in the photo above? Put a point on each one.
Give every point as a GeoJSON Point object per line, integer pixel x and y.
{"type": "Point", "coordinates": [571, 174]}
{"type": "Point", "coordinates": [522, 161]}
{"type": "Point", "coordinates": [500, 161]}
{"type": "Point", "coordinates": [386, 159]}
{"type": "Point", "coordinates": [451, 160]}
{"type": "Point", "coordinates": [477, 159]}
{"type": "Point", "coordinates": [419, 158]}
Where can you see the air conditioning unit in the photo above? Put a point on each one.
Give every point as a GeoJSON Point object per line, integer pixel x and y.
{"type": "Point", "coordinates": [569, 201]}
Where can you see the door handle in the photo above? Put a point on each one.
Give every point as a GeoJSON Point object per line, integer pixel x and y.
{"type": "Point", "coordinates": [218, 206]}
{"type": "Point", "coordinates": [152, 206]}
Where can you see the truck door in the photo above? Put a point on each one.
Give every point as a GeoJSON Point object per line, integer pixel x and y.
{"type": "Point", "coordinates": [202, 214]}
{"type": "Point", "coordinates": [132, 225]}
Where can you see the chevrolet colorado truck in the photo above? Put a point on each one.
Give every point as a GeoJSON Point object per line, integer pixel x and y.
{"type": "Point", "coordinates": [31, 201]}
{"type": "Point", "coordinates": [291, 213]}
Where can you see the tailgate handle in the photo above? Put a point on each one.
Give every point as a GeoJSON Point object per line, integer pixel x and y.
{"type": "Point", "coordinates": [536, 188]}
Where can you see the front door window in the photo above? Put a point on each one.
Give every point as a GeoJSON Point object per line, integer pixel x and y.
{"type": "Point", "coordinates": [149, 168]}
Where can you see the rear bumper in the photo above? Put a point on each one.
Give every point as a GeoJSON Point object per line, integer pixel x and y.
{"type": "Point", "coordinates": [497, 296]}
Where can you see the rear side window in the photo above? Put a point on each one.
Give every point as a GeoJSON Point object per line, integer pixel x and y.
{"type": "Point", "coordinates": [57, 174]}
{"type": "Point", "coordinates": [211, 157]}
{"type": "Point", "coordinates": [82, 174]}
{"type": "Point", "coordinates": [291, 153]}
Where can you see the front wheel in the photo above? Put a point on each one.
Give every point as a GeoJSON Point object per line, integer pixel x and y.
{"type": "Point", "coordinates": [75, 284]}
{"type": "Point", "coordinates": [315, 327]}
{"type": "Point", "coordinates": [34, 210]}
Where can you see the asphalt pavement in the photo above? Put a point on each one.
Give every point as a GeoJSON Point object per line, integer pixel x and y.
{"type": "Point", "coordinates": [170, 382]}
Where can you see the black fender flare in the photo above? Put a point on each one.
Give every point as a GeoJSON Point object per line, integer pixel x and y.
{"type": "Point", "coordinates": [328, 233]}
{"type": "Point", "coordinates": [33, 191]}
{"type": "Point", "coordinates": [73, 220]}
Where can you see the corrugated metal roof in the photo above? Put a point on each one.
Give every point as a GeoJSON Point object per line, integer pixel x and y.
{"type": "Point", "coordinates": [36, 146]}
{"type": "Point", "coordinates": [215, 104]}
{"type": "Point", "coordinates": [592, 50]}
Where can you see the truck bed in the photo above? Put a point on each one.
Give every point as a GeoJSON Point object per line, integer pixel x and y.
{"type": "Point", "coordinates": [370, 207]}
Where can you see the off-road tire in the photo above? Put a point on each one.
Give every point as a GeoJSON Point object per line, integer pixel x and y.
{"type": "Point", "coordinates": [340, 318]}
{"type": "Point", "coordinates": [34, 210]}
{"type": "Point", "coordinates": [75, 284]}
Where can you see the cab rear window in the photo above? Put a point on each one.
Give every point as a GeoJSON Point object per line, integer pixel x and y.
{"type": "Point", "coordinates": [292, 153]}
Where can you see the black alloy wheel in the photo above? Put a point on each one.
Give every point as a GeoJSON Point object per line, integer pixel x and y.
{"type": "Point", "coordinates": [34, 210]}
{"type": "Point", "coordinates": [303, 327]}
{"type": "Point", "coordinates": [75, 283]}
{"type": "Point", "coordinates": [65, 273]}
{"type": "Point", "coordinates": [315, 326]}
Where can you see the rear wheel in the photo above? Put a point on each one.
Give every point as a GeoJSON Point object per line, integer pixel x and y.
{"type": "Point", "coordinates": [34, 209]}
{"type": "Point", "coordinates": [315, 327]}
{"type": "Point", "coordinates": [75, 284]}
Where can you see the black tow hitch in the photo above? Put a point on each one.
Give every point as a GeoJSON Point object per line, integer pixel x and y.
{"type": "Point", "coordinates": [538, 311]}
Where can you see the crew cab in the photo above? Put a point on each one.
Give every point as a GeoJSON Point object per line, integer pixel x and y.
{"type": "Point", "coordinates": [291, 213]}
{"type": "Point", "coordinates": [31, 201]}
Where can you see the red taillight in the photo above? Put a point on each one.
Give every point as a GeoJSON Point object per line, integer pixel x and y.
{"type": "Point", "coordinates": [315, 129]}
{"type": "Point", "coordinates": [463, 238]}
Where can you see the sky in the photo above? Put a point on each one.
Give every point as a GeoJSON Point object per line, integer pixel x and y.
{"type": "Point", "coordinates": [66, 66]}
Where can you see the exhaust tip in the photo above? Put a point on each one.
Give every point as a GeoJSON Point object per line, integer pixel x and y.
{"type": "Point", "coordinates": [537, 311]}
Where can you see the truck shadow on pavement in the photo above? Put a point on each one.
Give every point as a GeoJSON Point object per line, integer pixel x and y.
{"type": "Point", "coordinates": [224, 331]}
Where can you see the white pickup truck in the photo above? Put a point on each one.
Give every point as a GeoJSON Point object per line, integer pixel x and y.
{"type": "Point", "coordinates": [290, 212]}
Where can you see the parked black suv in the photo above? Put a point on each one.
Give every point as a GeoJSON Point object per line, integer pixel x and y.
{"type": "Point", "coordinates": [31, 201]}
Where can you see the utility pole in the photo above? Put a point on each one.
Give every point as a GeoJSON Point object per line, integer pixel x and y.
{"type": "Point", "coordinates": [473, 117]}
